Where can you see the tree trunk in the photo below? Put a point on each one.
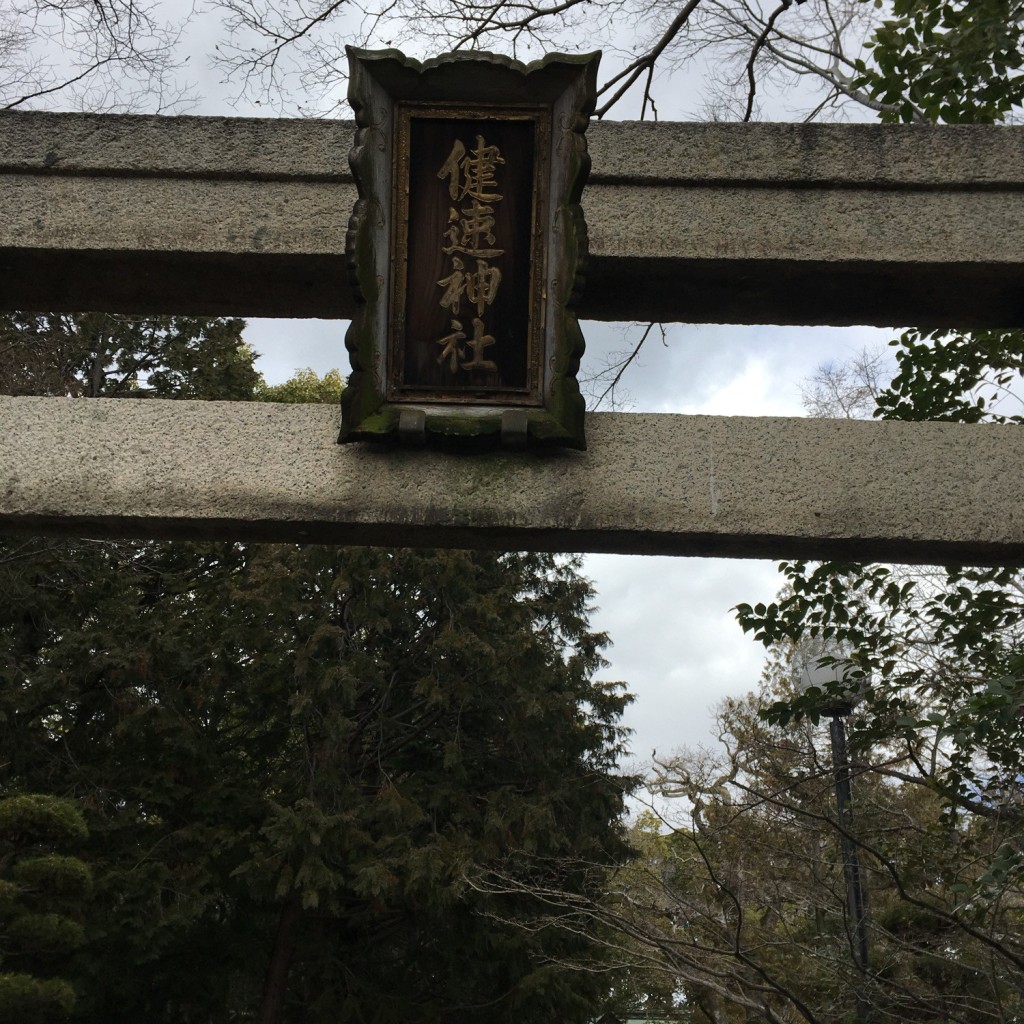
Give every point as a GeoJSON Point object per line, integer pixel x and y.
{"type": "Point", "coordinates": [276, 984]}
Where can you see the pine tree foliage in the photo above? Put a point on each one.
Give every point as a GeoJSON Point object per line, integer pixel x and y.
{"type": "Point", "coordinates": [294, 760]}
{"type": "Point", "coordinates": [103, 355]}
{"type": "Point", "coordinates": [43, 894]}
{"type": "Point", "coordinates": [353, 732]}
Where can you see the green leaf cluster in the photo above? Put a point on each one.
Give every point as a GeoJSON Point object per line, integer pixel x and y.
{"type": "Point", "coordinates": [944, 663]}
{"type": "Point", "coordinates": [954, 61]}
{"type": "Point", "coordinates": [962, 378]}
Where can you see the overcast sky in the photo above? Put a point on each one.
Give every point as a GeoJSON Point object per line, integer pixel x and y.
{"type": "Point", "coordinates": [675, 639]}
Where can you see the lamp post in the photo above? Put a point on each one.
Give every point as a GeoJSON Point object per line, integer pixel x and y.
{"type": "Point", "coordinates": [823, 667]}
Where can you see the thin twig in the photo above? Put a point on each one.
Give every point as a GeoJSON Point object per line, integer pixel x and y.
{"type": "Point", "coordinates": [626, 364]}
{"type": "Point", "coordinates": [632, 72]}
{"type": "Point", "coordinates": [761, 40]}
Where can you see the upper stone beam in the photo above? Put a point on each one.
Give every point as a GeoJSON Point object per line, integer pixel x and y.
{"type": "Point", "coordinates": [694, 222]}
{"type": "Point", "coordinates": [648, 484]}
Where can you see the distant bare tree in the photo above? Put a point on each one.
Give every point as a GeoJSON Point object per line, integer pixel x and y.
{"type": "Point", "coordinates": [747, 48]}
{"type": "Point", "coordinates": [101, 55]}
{"type": "Point", "coordinates": [849, 389]}
{"type": "Point", "coordinates": [736, 907]}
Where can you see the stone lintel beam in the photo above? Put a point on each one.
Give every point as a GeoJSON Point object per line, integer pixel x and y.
{"type": "Point", "coordinates": [649, 484]}
{"type": "Point", "coordinates": [763, 223]}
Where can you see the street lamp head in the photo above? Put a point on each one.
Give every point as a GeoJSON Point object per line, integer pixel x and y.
{"type": "Point", "coordinates": [826, 666]}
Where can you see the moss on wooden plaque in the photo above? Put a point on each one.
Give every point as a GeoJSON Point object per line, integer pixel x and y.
{"type": "Point", "coordinates": [466, 248]}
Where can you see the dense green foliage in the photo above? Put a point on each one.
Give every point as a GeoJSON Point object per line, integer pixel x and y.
{"type": "Point", "coordinates": [342, 737]}
{"type": "Point", "coordinates": [295, 762]}
{"type": "Point", "coordinates": [111, 356]}
{"type": "Point", "coordinates": [43, 894]}
{"type": "Point", "coordinates": [304, 386]}
{"type": "Point", "coordinates": [953, 61]}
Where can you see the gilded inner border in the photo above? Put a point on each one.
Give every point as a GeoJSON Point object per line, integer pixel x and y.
{"type": "Point", "coordinates": [532, 393]}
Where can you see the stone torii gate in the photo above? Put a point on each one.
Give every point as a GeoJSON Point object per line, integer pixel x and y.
{"type": "Point", "coordinates": [788, 224]}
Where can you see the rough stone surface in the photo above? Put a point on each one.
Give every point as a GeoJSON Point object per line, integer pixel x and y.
{"type": "Point", "coordinates": [841, 226]}
{"type": "Point", "coordinates": [730, 223]}
{"type": "Point", "coordinates": [178, 215]}
{"type": "Point", "coordinates": [844, 155]}
{"type": "Point", "coordinates": [829, 155]}
{"type": "Point", "coordinates": [126, 144]}
{"type": "Point", "coordinates": [907, 492]}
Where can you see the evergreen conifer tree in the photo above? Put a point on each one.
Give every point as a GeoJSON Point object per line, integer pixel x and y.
{"type": "Point", "coordinates": [295, 762]}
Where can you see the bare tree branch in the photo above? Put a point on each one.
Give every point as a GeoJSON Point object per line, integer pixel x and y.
{"type": "Point", "coordinates": [623, 365]}
{"type": "Point", "coordinates": [758, 46]}
{"type": "Point", "coordinates": [629, 75]}
{"type": "Point", "coordinates": [99, 54]}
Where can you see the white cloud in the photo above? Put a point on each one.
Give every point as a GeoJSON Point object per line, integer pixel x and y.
{"type": "Point", "coordinates": [676, 642]}
{"type": "Point", "coordinates": [285, 346]}
{"type": "Point", "coordinates": [752, 388]}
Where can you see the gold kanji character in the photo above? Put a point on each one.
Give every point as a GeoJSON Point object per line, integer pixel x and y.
{"type": "Point", "coordinates": [478, 343]}
{"type": "Point", "coordinates": [479, 168]}
{"type": "Point", "coordinates": [482, 285]}
{"type": "Point", "coordinates": [472, 175]}
{"type": "Point", "coordinates": [452, 170]}
{"type": "Point", "coordinates": [452, 350]}
{"type": "Point", "coordinates": [472, 229]}
{"type": "Point", "coordinates": [479, 286]}
{"type": "Point", "coordinates": [454, 285]}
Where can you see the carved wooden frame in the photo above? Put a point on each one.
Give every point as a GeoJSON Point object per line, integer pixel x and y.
{"type": "Point", "coordinates": [557, 96]}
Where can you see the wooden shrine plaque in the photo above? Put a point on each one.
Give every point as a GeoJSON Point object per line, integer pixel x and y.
{"type": "Point", "coordinates": [469, 258]}
{"type": "Point", "coordinates": [466, 246]}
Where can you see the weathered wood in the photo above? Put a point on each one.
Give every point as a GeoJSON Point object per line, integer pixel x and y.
{"type": "Point", "coordinates": [732, 223]}
{"type": "Point", "coordinates": [486, 208]}
{"type": "Point", "coordinates": [695, 485]}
